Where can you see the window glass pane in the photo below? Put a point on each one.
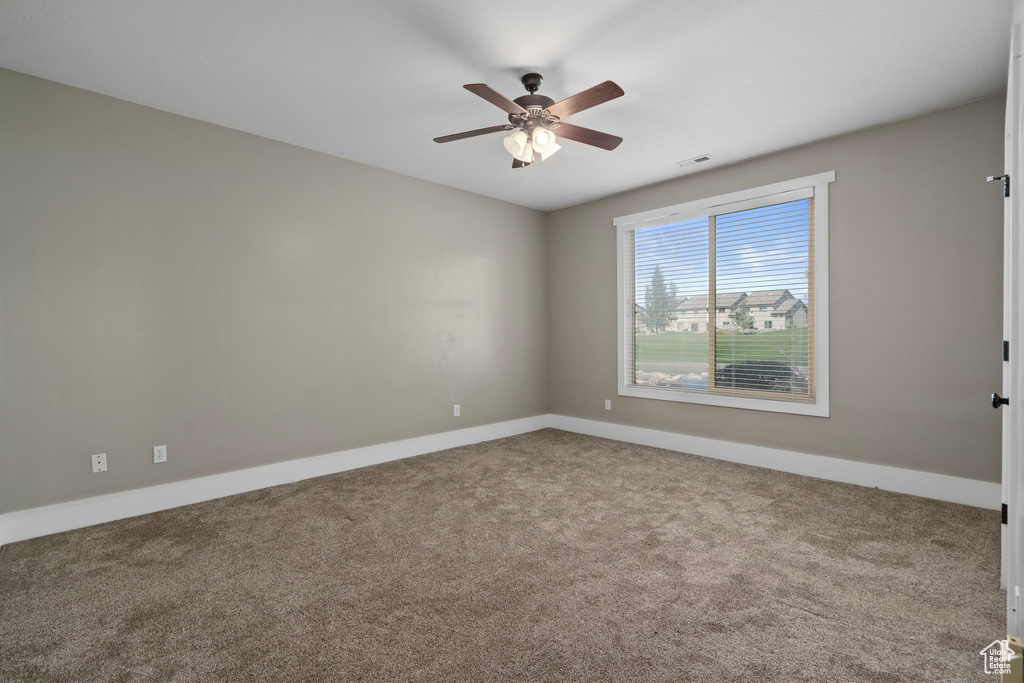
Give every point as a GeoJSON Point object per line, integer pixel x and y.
{"type": "Point", "coordinates": [763, 288]}
{"type": "Point", "coordinates": [670, 336]}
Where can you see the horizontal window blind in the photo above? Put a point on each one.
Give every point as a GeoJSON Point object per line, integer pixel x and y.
{"type": "Point", "coordinates": [723, 302]}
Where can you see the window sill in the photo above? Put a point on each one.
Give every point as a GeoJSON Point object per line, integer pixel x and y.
{"type": "Point", "coordinates": [819, 408]}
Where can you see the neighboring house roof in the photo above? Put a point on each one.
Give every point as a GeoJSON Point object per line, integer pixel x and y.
{"type": "Point", "coordinates": [789, 307]}
{"type": "Point", "coordinates": [723, 300]}
{"type": "Point", "coordinates": [770, 297]}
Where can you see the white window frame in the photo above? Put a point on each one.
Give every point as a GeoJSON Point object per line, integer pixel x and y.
{"type": "Point", "coordinates": [751, 198]}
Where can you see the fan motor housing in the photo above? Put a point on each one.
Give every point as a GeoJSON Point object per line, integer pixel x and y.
{"type": "Point", "coordinates": [533, 103]}
{"type": "Point", "coordinates": [534, 100]}
{"type": "Point", "coordinates": [536, 105]}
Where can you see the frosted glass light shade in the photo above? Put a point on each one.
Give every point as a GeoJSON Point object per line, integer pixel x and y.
{"type": "Point", "coordinates": [544, 143]}
{"type": "Point", "coordinates": [518, 145]}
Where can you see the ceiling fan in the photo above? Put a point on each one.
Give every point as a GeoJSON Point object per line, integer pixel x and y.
{"type": "Point", "coordinates": [534, 119]}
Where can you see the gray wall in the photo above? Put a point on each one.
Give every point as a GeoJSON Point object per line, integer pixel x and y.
{"type": "Point", "coordinates": [916, 296]}
{"type": "Point", "coordinates": [167, 281]}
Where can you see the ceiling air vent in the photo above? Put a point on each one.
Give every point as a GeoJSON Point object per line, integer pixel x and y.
{"type": "Point", "coordinates": [695, 160]}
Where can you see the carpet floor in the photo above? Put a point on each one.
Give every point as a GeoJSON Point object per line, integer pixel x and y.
{"type": "Point", "coordinates": [548, 556]}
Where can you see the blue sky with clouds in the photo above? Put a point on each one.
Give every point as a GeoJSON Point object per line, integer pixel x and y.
{"type": "Point", "coordinates": [757, 249]}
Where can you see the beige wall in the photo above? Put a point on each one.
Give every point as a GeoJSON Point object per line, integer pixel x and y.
{"type": "Point", "coordinates": [167, 281]}
{"type": "Point", "coordinates": [916, 234]}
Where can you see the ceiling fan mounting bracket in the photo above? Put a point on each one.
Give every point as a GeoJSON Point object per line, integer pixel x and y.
{"type": "Point", "coordinates": [531, 82]}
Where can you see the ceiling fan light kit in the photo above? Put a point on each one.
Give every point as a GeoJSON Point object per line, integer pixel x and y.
{"type": "Point", "coordinates": [525, 147]}
{"type": "Point", "coordinates": [533, 120]}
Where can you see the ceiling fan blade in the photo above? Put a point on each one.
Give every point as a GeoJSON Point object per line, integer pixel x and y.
{"type": "Point", "coordinates": [520, 164]}
{"type": "Point", "coordinates": [472, 133]}
{"type": "Point", "coordinates": [495, 98]}
{"type": "Point", "coordinates": [590, 97]}
{"type": "Point", "coordinates": [586, 135]}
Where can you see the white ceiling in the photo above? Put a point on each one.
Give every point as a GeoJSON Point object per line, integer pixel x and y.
{"type": "Point", "coordinates": [375, 80]}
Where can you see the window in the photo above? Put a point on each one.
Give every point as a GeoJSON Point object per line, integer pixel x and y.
{"type": "Point", "coordinates": [753, 265]}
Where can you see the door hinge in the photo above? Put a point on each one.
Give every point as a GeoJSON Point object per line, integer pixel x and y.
{"type": "Point", "coordinates": [1004, 515]}
{"type": "Point", "coordinates": [1006, 351]}
{"type": "Point", "coordinates": [1006, 183]}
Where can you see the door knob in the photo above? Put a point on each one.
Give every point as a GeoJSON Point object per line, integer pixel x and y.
{"type": "Point", "coordinates": [998, 401]}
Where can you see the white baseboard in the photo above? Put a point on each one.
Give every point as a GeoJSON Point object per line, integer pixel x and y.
{"type": "Point", "coordinates": [51, 519]}
{"type": "Point", "coordinates": [980, 494]}
{"type": "Point", "coordinates": [41, 521]}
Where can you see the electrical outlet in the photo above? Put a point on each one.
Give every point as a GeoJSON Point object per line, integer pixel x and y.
{"type": "Point", "coordinates": [607, 404]}
{"type": "Point", "coordinates": [458, 410]}
{"type": "Point", "coordinates": [159, 454]}
{"type": "Point", "coordinates": [99, 463]}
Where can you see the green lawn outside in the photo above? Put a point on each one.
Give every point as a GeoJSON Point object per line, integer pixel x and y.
{"type": "Point", "coordinates": [732, 347]}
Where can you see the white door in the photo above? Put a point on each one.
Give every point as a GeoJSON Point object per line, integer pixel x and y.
{"type": "Point", "coordinates": [1013, 379]}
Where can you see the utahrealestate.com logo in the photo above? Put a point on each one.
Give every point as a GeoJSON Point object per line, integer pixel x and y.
{"type": "Point", "coordinates": [997, 657]}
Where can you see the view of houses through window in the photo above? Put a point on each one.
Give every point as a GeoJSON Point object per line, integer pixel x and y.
{"type": "Point", "coordinates": [754, 330]}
